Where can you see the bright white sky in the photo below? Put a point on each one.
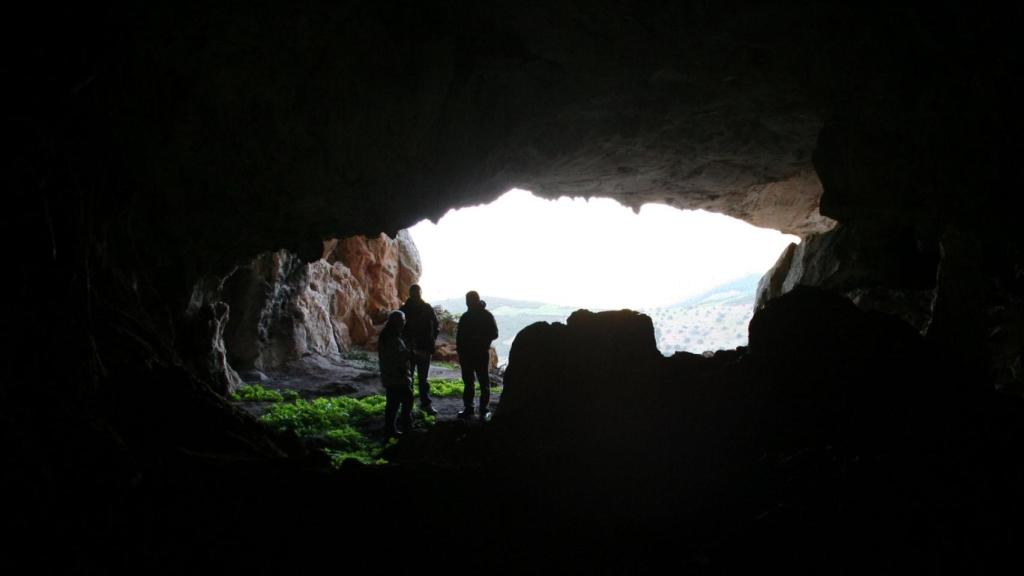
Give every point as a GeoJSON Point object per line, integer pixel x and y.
{"type": "Point", "coordinates": [589, 253]}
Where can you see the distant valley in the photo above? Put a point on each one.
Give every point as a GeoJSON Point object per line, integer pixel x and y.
{"type": "Point", "coordinates": [714, 320]}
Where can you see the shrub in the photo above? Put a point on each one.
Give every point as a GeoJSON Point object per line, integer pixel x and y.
{"type": "Point", "coordinates": [335, 423]}
{"type": "Point", "coordinates": [257, 393]}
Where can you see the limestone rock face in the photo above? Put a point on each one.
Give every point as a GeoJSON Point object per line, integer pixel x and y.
{"type": "Point", "coordinates": [880, 267]}
{"type": "Point", "coordinates": [383, 266]}
{"type": "Point", "coordinates": [789, 205]}
{"type": "Point", "coordinates": [206, 353]}
{"type": "Point", "coordinates": [288, 308]}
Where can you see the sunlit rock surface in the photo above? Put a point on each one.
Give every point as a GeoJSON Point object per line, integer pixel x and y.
{"type": "Point", "coordinates": [287, 309]}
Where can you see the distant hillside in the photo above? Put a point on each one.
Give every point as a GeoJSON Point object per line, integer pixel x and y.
{"type": "Point", "coordinates": [714, 320]}
{"type": "Point", "coordinates": [512, 316]}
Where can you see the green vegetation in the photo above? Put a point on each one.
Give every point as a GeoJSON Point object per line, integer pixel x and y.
{"type": "Point", "coordinates": [257, 393]}
{"type": "Point", "coordinates": [361, 358]}
{"type": "Point", "coordinates": [316, 417]}
{"type": "Point", "coordinates": [427, 419]}
{"type": "Point", "coordinates": [335, 422]}
{"type": "Point", "coordinates": [445, 387]}
{"type": "Point", "coordinates": [338, 424]}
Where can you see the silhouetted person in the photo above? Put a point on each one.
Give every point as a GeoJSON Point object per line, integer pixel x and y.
{"type": "Point", "coordinates": [420, 335]}
{"type": "Point", "coordinates": [394, 374]}
{"type": "Point", "coordinates": [476, 331]}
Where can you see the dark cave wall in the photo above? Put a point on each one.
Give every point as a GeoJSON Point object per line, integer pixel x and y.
{"type": "Point", "coordinates": [245, 130]}
{"type": "Point", "coordinates": [231, 131]}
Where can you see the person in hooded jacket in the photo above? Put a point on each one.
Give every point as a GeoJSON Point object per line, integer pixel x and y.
{"type": "Point", "coordinates": [394, 374]}
{"type": "Point", "coordinates": [476, 330]}
{"type": "Point", "coordinates": [420, 333]}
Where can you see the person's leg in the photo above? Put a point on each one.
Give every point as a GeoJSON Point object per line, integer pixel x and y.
{"type": "Point", "coordinates": [423, 367]}
{"type": "Point", "coordinates": [405, 416]}
{"type": "Point", "coordinates": [482, 374]}
{"type": "Point", "coordinates": [466, 363]}
{"type": "Point", "coordinates": [390, 409]}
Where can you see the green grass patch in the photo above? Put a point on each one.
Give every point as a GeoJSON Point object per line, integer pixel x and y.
{"type": "Point", "coordinates": [318, 416]}
{"type": "Point", "coordinates": [257, 393]}
{"type": "Point", "coordinates": [427, 419]}
{"type": "Point", "coordinates": [335, 422]}
{"type": "Point", "coordinates": [446, 387]}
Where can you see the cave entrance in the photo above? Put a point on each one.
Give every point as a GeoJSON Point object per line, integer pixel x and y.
{"type": "Point", "coordinates": [301, 336]}
{"type": "Point", "coordinates": [695, 273]}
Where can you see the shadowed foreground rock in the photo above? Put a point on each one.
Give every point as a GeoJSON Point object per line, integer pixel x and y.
{"type": "Point", "coordinates": [837, 428]}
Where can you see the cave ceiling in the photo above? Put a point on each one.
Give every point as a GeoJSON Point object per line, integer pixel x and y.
{"type": "Point", "coordinates": [282, 126]}
{"type": "Point", "coordinates": [231, 130]}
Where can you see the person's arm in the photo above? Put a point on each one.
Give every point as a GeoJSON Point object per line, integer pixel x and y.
{"type": "Point", "coordinates": [460, 333]}
{"type": "Point", "coordinates": [436, 329]}
{"type": "Point", "coordinates": [493, 327]}
{"type": "Point", "coordinates": [382, 355]}
{"type": "Point", "coordinates": [402, 351]}
{"type": "Point", "coordinates": [387, 352]}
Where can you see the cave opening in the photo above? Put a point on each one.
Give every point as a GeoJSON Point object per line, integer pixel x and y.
{"type": "Point", "coordinates": [694, 272]}
{"type": "Point", "coordinates": [300, 340]}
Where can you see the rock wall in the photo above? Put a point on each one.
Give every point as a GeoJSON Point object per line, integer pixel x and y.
{"type": "Point", "coordinates": [913, 273]}
{"type": "Point", "coordinates": [284, 308]}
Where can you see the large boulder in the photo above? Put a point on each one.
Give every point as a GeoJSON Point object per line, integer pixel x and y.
{"type": "Point", "coordinates": [597, 367]}
{"type": "Point", "coordinates": [593, 404]}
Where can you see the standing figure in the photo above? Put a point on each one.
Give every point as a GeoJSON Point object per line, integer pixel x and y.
{"type": "Point", "coordinates": [394, 374]}
{"type": "Point", "coordinates": [420, 335]}
{"type": "Point", "coordinates": [476, 331]}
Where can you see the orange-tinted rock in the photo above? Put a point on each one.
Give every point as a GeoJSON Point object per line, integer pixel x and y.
{"type": "Point", "coordinates": [288, 309]}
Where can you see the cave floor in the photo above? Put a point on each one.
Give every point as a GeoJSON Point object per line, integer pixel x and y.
{"type": "Point", "coordinates": [316, 376]}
